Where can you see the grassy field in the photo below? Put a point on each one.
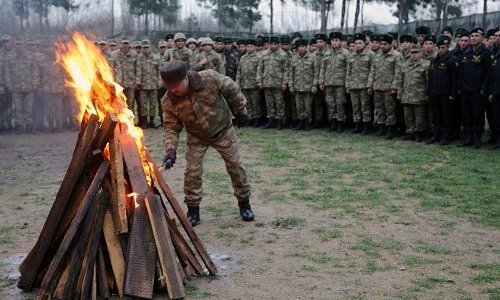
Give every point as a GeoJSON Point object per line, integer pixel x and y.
{"type": "Point", "coordinates": [338, 216]}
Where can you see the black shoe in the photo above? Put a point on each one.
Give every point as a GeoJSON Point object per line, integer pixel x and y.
{"type": "Point", "coordinates": [307, 125]}
{"type": "Point", "coordinates": [357, 127]}
{"type": "Point", "coordinates": [366, 128]}
{"type": "Point", "coordinates": [340, 126]}
{"type": "Point", "coordinates": [408, 137]}
{"type": "Point", "coordinates": [333, 125]}
{"type": "Point", "coordinates": [467, 141]}
{"type": "Point", "coordinates": [29, 129]}
{"type": "Point", "coordinates": [279, 124]}
{"type": "Point", "coordinates": [418, 137]}
{"type": "Point", "coordinates": [152, 123]}
{"type": "Point", "coordinates": [497, 145]}
{"type": "Point", "coordinates": [270, 124]}
{"type": "Point", "coordinates": [193, 215]}
{"type": "Point", "coordinates": [390, 133]}
{"type": "Point", "coordinates": [300, 125]}
{"type": "Point", "coordinates": [444, 140]}
{"type": "Point", "coordinates": [433, 139]}
{"type": "Point", "coordinates": [477, 140]}
{"type": "Point", "coordinates": [246, 211]}
{"type": "Point", "coordinates": [382, 130]}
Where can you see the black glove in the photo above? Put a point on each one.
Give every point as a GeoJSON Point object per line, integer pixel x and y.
{"type": "Point", "coordinates": [169, 159]}
{"type": "Point", "coordinates": [241, 120]}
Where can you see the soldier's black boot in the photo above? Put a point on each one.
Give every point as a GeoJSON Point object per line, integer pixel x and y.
{"type": "Point", "coordinates": [408, 137]}
{"type": "Point", "coordinates": [497, 144]}
{"type": "Point", "coordinates": [300, 125]}
{"type": "Point", "coordinates": [246, 212]}
{"type": "Point", "coordinates": [444, 139]}
{"type": "Point", "coordinates": [382, 130]}
{"type": "Point", "coordinates": [340, 126]}
{"type": "Point", "coordinates": [418, 136]}
{"type": "Point", "coordinates": [333, 125]}
{"type": "Point", "coordinates": [270, 124]}
{"type": "Point", "coordinates": [366, 128]}
{"type": "Point", "coordinates": [193, 215]}
{"type": "Point", "coordinates": [433, 139]}
{"type": "Point", "coordinates": [307, 125]}
{"type": "Point", "coordinates": [390, 132]}
{"type": "Point", "coordinates": [467, 141]}
{"type": "Point", "coordinates": [357, 127]}
{"type": "Point", "coordinates": [152, 122]}
{"type": "Point", "coordinates": [476, 137]}
{"type": "Point", "coordinates": [29, 128]}
{"type": "Point", "coordinates": [279, 124]}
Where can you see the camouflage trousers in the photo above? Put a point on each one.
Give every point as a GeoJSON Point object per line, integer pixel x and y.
{"type": "Point", "coordinates": [5, 111]}
{"type": "Point", "coordinates": [319, 107]}
{"type": "Point", "coordinates": [148, 103]}
{"type": "Point", "coordinates": [361, 107]}
{"type": "Point", "coordinates": [130, 94]}
{"type": "Point", "coordinates": [335, 98]}
{"type": "Point", "coordinates": [228, 147]}
{"type": "Point", "coordinates": [54, 110]}
{"type": "Point", "coordinates": [304, 102]}
{"type": "Point", "coordinates": [253, 103]}
{"type": "Point", "coordinates": [275, 103]}
{"type": "Point", "coordinates": [23, 108]}
{"type": "Point", "coordinates": [384, 107]}
{"type": "Point", "coordinates": [415, 118]}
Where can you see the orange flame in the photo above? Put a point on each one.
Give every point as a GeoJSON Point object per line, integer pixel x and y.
{"type": "Point", "coordinates": [96, 90]}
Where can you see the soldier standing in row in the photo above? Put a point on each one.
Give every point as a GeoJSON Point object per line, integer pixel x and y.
{"type": "Point", "coordinates": [24, 76]}
{"type": "Point", "coordinates": [246, 77]}
{"type": "Point", "coordinates": [332, 81]}
{"type": "Point", "coordinates": [54, 90]}
{"type": "Point", "coordinates": [319, 106]}
{"type": "Point", "coordinates": [272, 78]}
{"type": "Point", "coordinates": [442, 86]}
{"type": "Point", "coordinates": [127, 71]}
{"type": "Point", "coordinates": [207, 58]}
{"type": "Point", "coordinates": [5, 99]}
{"type": "Point", "coordinates": [472, 86]}
{"type": "Point", "coordinates": [302, 83]}
{"type": "Point", "coordinates": [383, 82]}
{"type": "Point", "coordinates": [359, 65]}
{"type": "Point", "coordinates": [494, 97]}
{"type": "Point", "coordinates": [149, 72]}
{"type": "Point", "coordinates": [179, 52]}
{"type": "Point", "coordinates": [230, 58]}
{"type": "Point", "coordinates": [413, 86]}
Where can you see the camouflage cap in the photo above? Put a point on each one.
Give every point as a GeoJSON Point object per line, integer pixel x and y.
{"type": "Point", "coordinates": [179, 36]}
{"type": "Point", "coordinates": [206, 41]}
{"type": "Point", "coordinates": [136, 44]}
{"type": "Point", "coordinates": [162, 44]}
{"type": "Point", "coordinates": [191, 40]}
{"type": "Point", "coordinates": [125, 40]}
{"type": "Point", "coordinates": [146, 42]}
{"type": "Point", "coordinates": [6, 38]}
{"type": "Point", "coordinates": [112, 42]}
{"type": "Point", "coordinates": [416, 48]}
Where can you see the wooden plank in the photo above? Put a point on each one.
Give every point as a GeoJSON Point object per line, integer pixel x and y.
{"type": "Point", "coordinates": [135, 169]}
{"type": "Point", "coordinates": [102, 274]}
{"type": "Point", "coordinates": [94, 284]}
{"type": "Point", "coordinates": [115, 252]}
{"type": "Point", "coordinates": [30, 267]}
{"type": "Point", "coordinates": [118, 196]}
{"type": "Point", "coordinates": [51, 277]}
{"type": "Point", "coordinates": [165, 248]}
{"type": "Point", "coordinates": [200, 248]}
{"type": "Point", "coordinates": [140, 273]}
{"type": "Point", "coordinates": [58, 294]}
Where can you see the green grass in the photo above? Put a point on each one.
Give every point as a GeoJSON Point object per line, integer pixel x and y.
{"type": "Point", "coordinates": [288, 222]}
{"type": "Point", "coordinates": [421, 285]}
{"type": "Point", "coordinates": [488, 273]}
{"type": "Point", "coordinates": [326, 234]}
{"type": "Point", "coordinates": [194, 292]}
{"type": "Point", "coordinates": [372, 248]}
{"type": "Point", "coordinates": [6, 234]}
{"type": "Point", "coordinates": [424, 247]}
{"type": "Point", "coordinates": [416, 261]}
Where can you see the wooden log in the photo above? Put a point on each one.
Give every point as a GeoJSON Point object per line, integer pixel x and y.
{"type": "Point", "coordinates": [165, 248]}
{"type": "Point", "coordinates": [51, 277]}
{"type": "Point", "coordinates": [198, 245]}
{"type": "Point", "coordinates": [135, 169]}
{"type": "Point", "coordinates": [118, 196]}
{"type": "Point", "coordinates": [30, 267]}
{"type": "Point", "coordinates": [115, 252]}
{"type": "Point", "coordinates": [102, 274]}
{"type": "Point", "coordinates": [142, 255]}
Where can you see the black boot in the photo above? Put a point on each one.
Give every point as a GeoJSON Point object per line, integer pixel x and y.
{"type": "Point", "coordinates": [366, 128]}
{"type": "Point", "coordinates": [279, 124]}
{"type": "Point", "coordinates": [307, 125]}
{"type": "Point", "coordinates": [357, 127]}
{"type": "Point", "coordinates": [270, 124]}
{"type": "Point", "coordinates": [29, 129]}
{"type": "Point", "coordinates": [467, 141]}
{"type": "Point", "coordinates": [340, 126]}
{"type": "Point", "coordinates": [497, 144]}
{"type": "Point", "coordinates": [333, 125]}
{"type": "Point", "coordinates": [152, 122]}
{"type": "Point", "coordinates": [476, 137]}
{"type": "Point", "coordinates": [444, 139]}
{"type": "Point", "coordinates": [433, 139]}
{"type": "Point", "coordinates": [390, 132]}
{"type": "Point", "coordinates": [258, 122]}
{"type": "Point", "coordinates": [418, 136]}
{"type": "Point", "coordinates": [193, 215]}
{"type": "Point", "coordinates": [246, 212]}
{"type": "Point", "coordinates": [300, 125]}
{"type": "Point", "coordinates": [382, 130]}
{"type": "Point", "coordinates": [408, 137]}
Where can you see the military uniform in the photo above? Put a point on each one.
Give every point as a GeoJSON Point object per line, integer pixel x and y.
{"type": "Point", "coordinates": [54, 90]}
{"type": "Point", "coordinates": [214, 62]}
{"type": "Point", "coordinates": [24, 76]}
{"type": "Point", "coordinates": [271, 75]}
{"type": "Point", "coordinates": [148, 76]}
{"type": "Point", "coordinates": [319, 105]}
{"type": "Point", "coordinates": [4, 93]}
{"type": "Point", "coordinates": [358, 70]}
{"type": "Point", "coordinates": [302, 82]}
{"type": "Point", "coordinates": [246, 77]}
{"type": "Point", "coordinates": [383, 80]}
{"type": "Point", "coordinates": [231, 62]}
{"type": "Point", "coordinates": [127, 74]}
{"type": "Point", "coordinates": [494, 97]}
{"type": "Point", "coordinates": [207, 119]}
{"type": "Point", "coordinates": [413, 89]}
{"type": "Point", "coordinates": [185, 55]}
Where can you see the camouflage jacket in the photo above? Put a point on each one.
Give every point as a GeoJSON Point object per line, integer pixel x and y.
{"type": "Point", "coordinates": [24, 71]}
{"type": "Point", "coordinates": [333, 68]}
{"type": "Point", "coordinates": [358, 69]}
{"type": "Point", "coordinates": [4, 78]}
{"type": "Point", "coordinates": [271, 71]}
{"type": "Point", "coordinates": [215, 62]}
{"type": "Point", "coordinates": [413, 82]}
{"type": "Point", "coordinates": [302, 70]}
{"type": "Point", "coordinates": [385, 71]}
{"type": "Point", "coordinates": [127, 72]}
{"type": "Point", "coordinates": [429, 56]}
{"type": "Point", "coordinates": [246, 76]}
{"type": "Point", "coordinates": [149, 71]}
{"type": "Point", "coordinates": [185, 55]}
{"type": "Point", "coordinates": [54, 78]}
{"type": "Point", "coordinates": [231, 63]}
{"type": "Point", "coordinates": [319, 56]}
{"type": "Point", "coordinates": [203, 111]}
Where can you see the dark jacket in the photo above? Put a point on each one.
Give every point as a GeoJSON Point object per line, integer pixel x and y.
{"type": "Point", "coordinates": [494, 76]}
{"type": "Point", "coordinates": [474, 68]}
{"type": "Point", "coordinates": [443, 76]}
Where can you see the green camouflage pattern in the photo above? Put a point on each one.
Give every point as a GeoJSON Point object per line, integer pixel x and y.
{"type": "Point", "coordinates": [246, 76]}
{"type": "Point", "coordinates": [358, 69]}
{"type": "Point", "coordinates": [334, 68]}
{"type": "Point", "coordinates": [271, 71]}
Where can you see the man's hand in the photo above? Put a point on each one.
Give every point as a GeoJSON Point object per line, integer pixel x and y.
{"type": "Point", "coordinates": [241, 120]}
{"type": "Point", "coordinates": [169, 160]}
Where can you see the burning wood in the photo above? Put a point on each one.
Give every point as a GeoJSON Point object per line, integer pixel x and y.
{"type": "Point", "coordinates": [108, 232]}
